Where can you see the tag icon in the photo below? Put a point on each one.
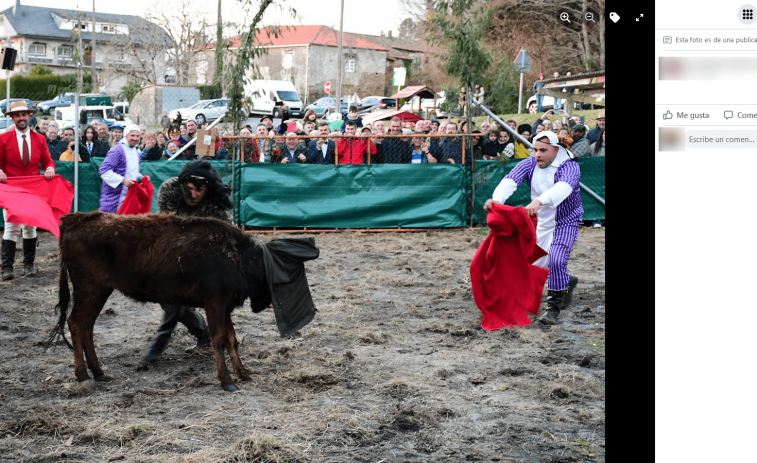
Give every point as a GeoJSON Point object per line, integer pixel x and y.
{"type": "Point", "coordinates": [614, 16]}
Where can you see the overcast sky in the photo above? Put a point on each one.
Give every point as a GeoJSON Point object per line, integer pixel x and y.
{"type": "Point", "coordinates": [359, 16]}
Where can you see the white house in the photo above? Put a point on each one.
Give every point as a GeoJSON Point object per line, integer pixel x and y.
{"type": "Point", "coordinates": [44, 35]}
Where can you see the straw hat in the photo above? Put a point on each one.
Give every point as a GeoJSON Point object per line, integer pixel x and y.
{"type": "Point", "coordinates": [600, 115]}
{"type": "Point", "coordinates": [19, 107]}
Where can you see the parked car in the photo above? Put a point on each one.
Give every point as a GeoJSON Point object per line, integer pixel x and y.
{"type": "Point", "coordinates": [48, 107]}
{"type": "Point", "coordinates": [327, 104]}
{"type": "Point", "coordinates": [203, 110]}
{"type": "Point", "coordinates": [371, 103]}
{"type": "Point", "coordinates": [29, 103]}
{"type": "Point", "coordinates": [5, 123]}
{"type": "Point", "coordinates": [100, 120]}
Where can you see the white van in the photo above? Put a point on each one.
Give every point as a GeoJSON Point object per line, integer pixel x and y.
{"type": "Point", "coordinates": [65, 116]}
{"type": "Point", "coordinates": [273, 98]}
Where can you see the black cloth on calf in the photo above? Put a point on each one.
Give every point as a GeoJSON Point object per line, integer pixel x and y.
{"type": "Point", "coordinates": [287, 283]}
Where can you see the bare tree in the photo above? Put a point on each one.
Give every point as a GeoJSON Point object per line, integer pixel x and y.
{"type": "Point", "coordinates": [408, 29]}
{"type": "Point", "coordinates": [190, 34]}
{"type": "Point", "coordinates": [559, 45]}
{"type": "Point", "coordinates": [140, 53]}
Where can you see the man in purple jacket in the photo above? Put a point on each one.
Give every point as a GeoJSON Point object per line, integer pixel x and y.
{"type": "Point", "coordinates": [120, 170]}
{"type": "Point", "coordinates": [556, 200]}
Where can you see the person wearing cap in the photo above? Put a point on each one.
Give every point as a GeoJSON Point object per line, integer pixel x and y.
{"type": "Point", "coordinates": [116, 134]}
{"type": "Point", "coordinates": [22, 152]}
{"type": "Point", "coordinates": [198, 191]}
{"type": "Point", "coordinates": [581, 146]}
{"type": "Point", "coordinates": [554, 178]}
{"type": "Point", "coordinates": [120, 170]}
{"type": "Point", "coordinates": [593, 134]}
{"type": "Point", "coordinates": [268, 121]}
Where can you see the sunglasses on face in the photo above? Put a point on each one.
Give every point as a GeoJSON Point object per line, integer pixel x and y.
{"type": "Point", "coordinates": [194, 179]}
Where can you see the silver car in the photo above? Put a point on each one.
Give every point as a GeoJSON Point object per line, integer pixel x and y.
{"type": "Point", "coordinates": [203, 110]}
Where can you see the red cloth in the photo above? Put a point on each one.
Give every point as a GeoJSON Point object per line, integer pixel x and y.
{"type": "Point", "coordinates": [138, 199]}
{"type": "Point", "coordinates": [506, 285]}
{"type": "Point", "coordinates": [10, 157]}
{"type": "Point", "coordinates": [37, 202]}
{"type": "Point", "coordinates": [58, 193]}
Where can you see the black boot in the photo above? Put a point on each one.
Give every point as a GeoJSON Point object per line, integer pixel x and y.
{"type": "Point", "coordinates": [196, 325]}
{"type": "Point", "coordinates": [8, 256]}
{"type": "Point", "coordinates": [160, 344]}
{"type": "Point", "coordinates": [554, 302]}
{"type": "Point", "coordinates": [572, 283]}
{"type": "Point", "coordinates": [30, 248]}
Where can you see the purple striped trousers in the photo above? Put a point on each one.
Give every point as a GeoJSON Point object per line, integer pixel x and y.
{"type": "Point", "coordinates": [559, 253]}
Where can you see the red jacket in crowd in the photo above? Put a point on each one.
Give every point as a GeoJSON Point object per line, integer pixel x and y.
{"type": "Point", "coordinates": [352, 150]}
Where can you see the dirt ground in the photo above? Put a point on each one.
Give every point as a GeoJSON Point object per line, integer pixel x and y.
{"type": "Point", "coordinates": [394, 368]}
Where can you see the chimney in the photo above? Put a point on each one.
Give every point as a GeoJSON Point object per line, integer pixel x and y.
{"type": "Point", "coordinates": [16, 7]}
{"type": "Point", "coordinates": [389, 34]}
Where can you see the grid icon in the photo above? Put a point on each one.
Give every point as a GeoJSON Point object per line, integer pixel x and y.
{"type": "Point", "coordinates": [746, 14]}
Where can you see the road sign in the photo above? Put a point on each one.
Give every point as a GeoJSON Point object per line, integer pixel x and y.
{"type": "Point", "coordinates": [327, 87]}
{"type": "Point", "coordinates": [522, 63]}
{"type": "Point", "coordinates": [399, 76]}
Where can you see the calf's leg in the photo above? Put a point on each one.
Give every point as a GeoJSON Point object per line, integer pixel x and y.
{"type": "Point", "coordinates": [217, 329]}
{"type": "Point", "coordinates": [86, 309]}
{"type": "Point", "coordinates": [233, 344]}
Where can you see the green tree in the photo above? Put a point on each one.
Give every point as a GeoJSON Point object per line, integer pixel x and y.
{"type": "Point", "coordinates": [453, 25]}
{"type": "Point", "coordinates": [130, 90]}
{"type": "Point", "coordinates": [40, 70]}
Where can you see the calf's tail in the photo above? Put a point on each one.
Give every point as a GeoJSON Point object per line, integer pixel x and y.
{"type": "Point", "coordinates": [64, 297]}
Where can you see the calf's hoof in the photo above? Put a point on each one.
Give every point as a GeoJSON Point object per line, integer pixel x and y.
{"type": "Point", "coordinates": [230, 388]}
{"type": "Point", "coordinates": [103, 379]}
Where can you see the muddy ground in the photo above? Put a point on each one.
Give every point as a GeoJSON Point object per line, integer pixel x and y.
{"type": "Point", "coordinates": [395, 368]}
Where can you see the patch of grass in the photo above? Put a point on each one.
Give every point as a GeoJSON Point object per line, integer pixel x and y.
{"type": "Point", "coordinates": [597, 345]}
{"type": "Point", "coordinates": [504, 388]}
{"type": "Point", "coordinates": [584, 447]}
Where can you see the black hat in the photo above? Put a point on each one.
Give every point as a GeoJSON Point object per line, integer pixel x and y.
{"type": "Point", "coordinates": [266, 117]}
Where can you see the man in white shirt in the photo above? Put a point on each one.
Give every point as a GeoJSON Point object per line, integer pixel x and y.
{"type": "Point", "coordinates": [556, 200]}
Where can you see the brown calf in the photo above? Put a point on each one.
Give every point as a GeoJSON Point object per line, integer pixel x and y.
{"type": "Point", "coordinates": [192, 262]}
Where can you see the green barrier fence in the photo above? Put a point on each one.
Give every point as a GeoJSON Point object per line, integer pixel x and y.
{"type": "Point", "coordinates": [351, 196]}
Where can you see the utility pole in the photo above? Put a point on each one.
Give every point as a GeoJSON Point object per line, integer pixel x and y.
{"type": "Point", "coordinates": [95, 88]}
{"type": "Point", "coordinates": [80, 68]}
{"type": "Point", "coordinates": [219, 51]}
{"type": "Point", "coordinates": [341, 66]}
{"type": "Point", "coordinates": [8, 82]}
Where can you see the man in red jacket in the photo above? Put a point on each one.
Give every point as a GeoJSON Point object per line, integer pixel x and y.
{"type": "Point", "coordinates": [22, 151]}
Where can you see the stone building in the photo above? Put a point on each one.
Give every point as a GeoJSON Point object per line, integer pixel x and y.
{"type": "Point", "coordinates": [309, 57]}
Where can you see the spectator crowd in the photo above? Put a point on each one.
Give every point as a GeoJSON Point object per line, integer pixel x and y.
{"type": "Point", "coordinates": [318, 143]}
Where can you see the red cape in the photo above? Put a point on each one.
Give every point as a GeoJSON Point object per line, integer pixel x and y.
{"type": "Point", "coordinates": [33, 200]}
{"type": "Point", "coordinates": [138, 199]}
{"type": "Point", "coordinates": [506, 285]}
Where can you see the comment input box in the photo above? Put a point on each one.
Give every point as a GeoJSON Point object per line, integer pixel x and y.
{"type": "Point", "coordinates": [721, 139]}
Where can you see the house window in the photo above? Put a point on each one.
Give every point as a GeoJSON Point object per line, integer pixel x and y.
{"type": "Point", "coordinates": [37, 49]}
{"type": "Point", "coordinates": [64, 51]}
{"type": "Point", "coordinates": [108, 29]}
{"type": "Point", "coordinates": [287, 61]}
{"type": "Point", "coordinates": [349, 66]}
